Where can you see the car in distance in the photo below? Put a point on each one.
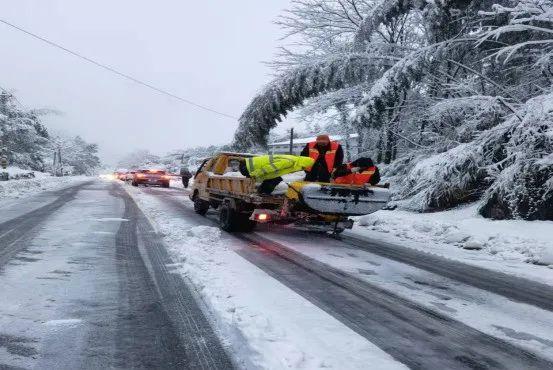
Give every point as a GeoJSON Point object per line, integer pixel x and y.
{"type": "Point", "coordinates": [151, 177]}
{"type": "Point", "coordinates": [129, 176]}
{"type": "Point", "coordinates": [120, 175]}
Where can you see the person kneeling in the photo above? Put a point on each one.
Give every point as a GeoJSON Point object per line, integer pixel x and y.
{"type": "Point", "coordinates": [269, 168]}
{"type": "Point", "coordinates": [359, 172]}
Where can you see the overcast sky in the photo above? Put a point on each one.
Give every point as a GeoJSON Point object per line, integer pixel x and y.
{"type": "Point", "coordinates": [209, 51]}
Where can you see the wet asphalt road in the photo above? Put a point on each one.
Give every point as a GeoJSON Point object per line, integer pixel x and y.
{"type": "Point", "coordinates": [84, 284]}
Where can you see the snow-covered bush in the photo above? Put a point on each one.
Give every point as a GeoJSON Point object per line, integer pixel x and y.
{"type": "Point", "coordinates": [444, 180]}
{"type": "Point", "coordinates": [524, 189]}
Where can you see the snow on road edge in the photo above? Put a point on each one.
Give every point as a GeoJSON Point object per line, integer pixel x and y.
{"type": "Point", "coordinates": [17, 189]}
{"type": "Point", "coordinates": [268, 325]}
{"type": "Point", "coordinates": [522, 248]}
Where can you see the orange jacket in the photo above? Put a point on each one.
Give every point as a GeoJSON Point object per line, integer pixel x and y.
{"type": "Point", "coordinates": [330, 155]}
{"type": "Point", "coordinates": [360, 178]}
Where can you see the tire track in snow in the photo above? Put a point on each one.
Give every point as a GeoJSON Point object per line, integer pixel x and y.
{"type": "Point", "coordinates": [15, 232]}
{"type": "Point", "coordinates": [418, 337]}
{"type": "Point", "coordinates": [157, 306]}
{"type": "Point", "coordinates": [515, 288]}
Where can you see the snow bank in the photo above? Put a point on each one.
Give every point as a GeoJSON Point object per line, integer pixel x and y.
{"type": "Point", "coordinates": [42, 182]}
{"type": "Point", "coordinates": [16, 171]}
{"type": "Point", "coordinates": [509, 240]}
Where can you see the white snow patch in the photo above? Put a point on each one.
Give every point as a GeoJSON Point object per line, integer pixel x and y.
{"type": "Point", "coordinates": [111, 219]}
{"type": "Point", "coordinates": [64, 322]}
{"type": "Point", "coordinates": [22, 188]}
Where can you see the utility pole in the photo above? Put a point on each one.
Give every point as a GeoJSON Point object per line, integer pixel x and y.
{"type": "Point", "coordinates": [291, 141]}
{"type": "Point", "coordinates": [59, 160]}
{"type": "Point", "coordinates": [4, 176]}
{"type": "Point", "coordinates": [57, 169]}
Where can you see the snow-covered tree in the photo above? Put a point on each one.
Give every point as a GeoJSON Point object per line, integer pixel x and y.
{"type": "Point", "coordinates": [28, 144]}
{"type": "Point", "coordinates": [72, 154]}
{"type": "Point", "coordinates": [21, 134]}
{"type": "Point", "coordinates": [436, 89]}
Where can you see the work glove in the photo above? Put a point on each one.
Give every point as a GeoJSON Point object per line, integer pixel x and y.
{"type": "Point", "coordinates": [356, 170]}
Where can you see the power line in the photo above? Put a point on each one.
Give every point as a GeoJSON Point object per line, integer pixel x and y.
{"type": "Point", "coordinates": [114, 71]}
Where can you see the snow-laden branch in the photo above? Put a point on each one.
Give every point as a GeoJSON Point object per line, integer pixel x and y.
{"type": "Point", "coordinates": [382, 11]}
{"type": "Point", "coordinates": [290, 90]}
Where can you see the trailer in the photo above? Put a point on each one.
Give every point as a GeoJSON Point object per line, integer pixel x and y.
{"type": "Point", "coordinates": [323, 207]}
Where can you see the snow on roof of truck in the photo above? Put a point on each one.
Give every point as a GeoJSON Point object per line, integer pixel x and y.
{"type": "Point", "coordinates": [236, 154]}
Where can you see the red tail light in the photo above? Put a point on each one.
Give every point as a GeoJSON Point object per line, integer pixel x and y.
{"type": "Point", "coordinates": [262, 217]}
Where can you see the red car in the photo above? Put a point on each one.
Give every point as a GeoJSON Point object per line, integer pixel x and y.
{"type": "Point", "coordinates": [119, 175]}
{"type": "Point", "coordinates": [151, 177]}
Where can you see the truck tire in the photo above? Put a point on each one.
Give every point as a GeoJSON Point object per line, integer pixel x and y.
{"type": "Point", "coordinates": [227, 218]}
{"type": "Point", "coordinates": [134, 183]}
{"type": "Point", "coordinates": [200, 206]}
{"type": "Point", "coordinates": [231, 220]}
{"type": "Point", "coordinates": [165, 185]}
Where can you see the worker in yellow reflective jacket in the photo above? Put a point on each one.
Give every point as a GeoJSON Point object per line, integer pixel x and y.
{"type": "Point", "coordinates": [269, 168]}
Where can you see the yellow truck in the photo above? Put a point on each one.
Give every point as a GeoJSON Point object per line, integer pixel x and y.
{"type": "Point", "coordinates": [218, 184]}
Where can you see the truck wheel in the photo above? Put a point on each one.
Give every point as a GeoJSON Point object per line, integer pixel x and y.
{"type": "Point", "coordinates": [165, 185]}
{"type": "Point", "coordinates": [233, 221]}
{"type": "Point", "coordinates": [228, 218]}
{"type": "Point", "coordinates": [200, 206]}
{"type": "Point", "coordinates": [134, 183]}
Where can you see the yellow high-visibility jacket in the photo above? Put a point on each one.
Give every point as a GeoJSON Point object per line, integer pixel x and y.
{"type": "Point", "coordinates": [271, 166]}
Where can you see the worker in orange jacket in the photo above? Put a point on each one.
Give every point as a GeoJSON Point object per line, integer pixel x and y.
{"type": "Point", "coordinates": [359, 172]}
{"type": "Point", "coordinates": [328, 155]}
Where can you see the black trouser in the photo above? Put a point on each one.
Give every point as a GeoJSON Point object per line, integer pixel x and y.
{"type": "Point", "coordinates": [317, 176]}
{"type": "Point", "coordinates": [319, 172]}
{"type": "Point", "coordinates": [268, 186]}
{"type": "Point", "coordinates": [185, 181]}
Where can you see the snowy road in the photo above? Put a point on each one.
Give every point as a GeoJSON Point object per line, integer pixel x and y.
{"type": "Point", "coordinates": [84, 284]}
{"type": "Point", "coordinates": [408, 303]}
{"type": "Point", "coordinates": [106, 275]}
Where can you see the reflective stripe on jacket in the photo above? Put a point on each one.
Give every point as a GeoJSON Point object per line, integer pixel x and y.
{"type": "Point", "coordinates": [360, 178]}
{"type": "Point", "coordinates": [330, 155]}
{"type": "Point", "coordinates": [271, 166]}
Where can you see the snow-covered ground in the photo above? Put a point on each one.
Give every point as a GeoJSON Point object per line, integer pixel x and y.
{"type": "Point", "coordinates": [523, 248]}
{"type": "Point", "coordinates": [15, 189]}
{"type": "Point", "coordinates": [267, 325]}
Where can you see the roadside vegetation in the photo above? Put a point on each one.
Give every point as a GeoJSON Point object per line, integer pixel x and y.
{"type": "Point", "coordinates": [27, 143]}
